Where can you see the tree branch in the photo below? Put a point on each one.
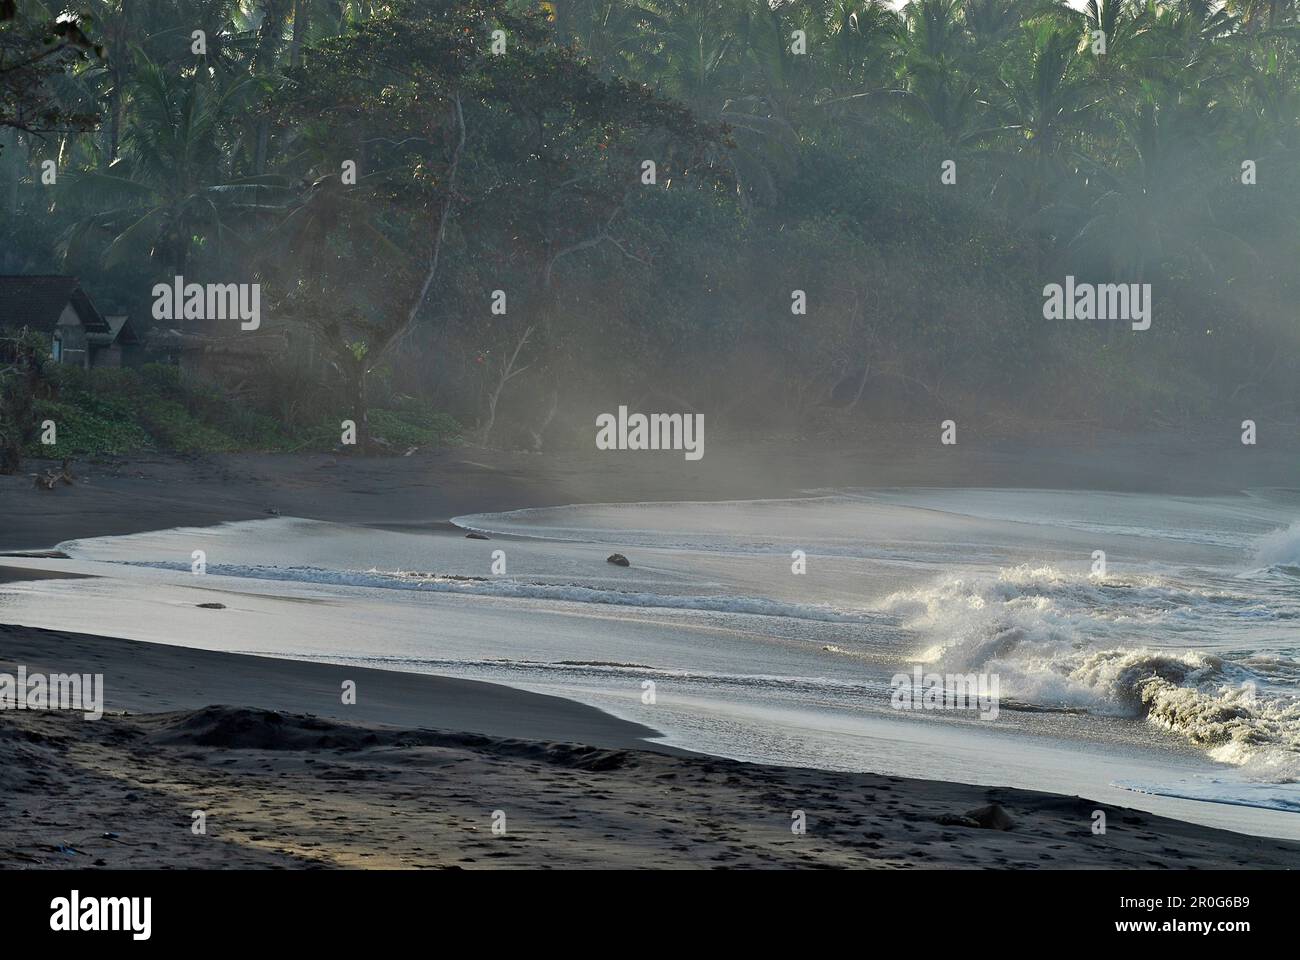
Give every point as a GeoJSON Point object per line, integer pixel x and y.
{"type": "Point", "coordinates": [435, 254]}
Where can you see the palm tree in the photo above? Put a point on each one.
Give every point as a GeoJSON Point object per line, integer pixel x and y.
{"type": "Point", "coordinates": [698, 51]}
{"type": "Point", "coordinates": [1047, 102]}
{"type": "Point", "coordinates": [1265, 93]}
{"type": "Point", "coordinates": [1151, 207]}
{"type": "Point", "coordinates": [934, 31]}
{"type": "Point", "coordinates": [991, 21]}
{"type": "Point", "coordinates": [170, 191]}
{"type": "Point", "coordinates": [1262, 15]}
{"type": "Point", "coordinates": [612, 32]}
{"type": "Point", "coordinates": [863, 35]}
{"type": "Point", "coordinates": [935, 87]}
{"type": "Point", "coordinates": [693, 48]}
{"type": "Point", "coordinates": [112, 22]}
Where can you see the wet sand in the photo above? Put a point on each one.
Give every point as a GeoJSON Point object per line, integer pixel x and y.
{"type": "Point", "coordinates": [411, 775]}
{"type": "Point", "coordinates": [417, 773]}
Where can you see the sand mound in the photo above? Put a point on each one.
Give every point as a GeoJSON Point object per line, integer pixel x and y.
{"type": "Point", "coordinates": [240, 728]}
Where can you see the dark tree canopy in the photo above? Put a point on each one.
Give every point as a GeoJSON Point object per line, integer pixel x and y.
{"type": "Point", "coordinates": [514, 211]}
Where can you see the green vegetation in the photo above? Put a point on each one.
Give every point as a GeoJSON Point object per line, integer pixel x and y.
{"type": "Point", "coordinates": [24, 382]}
{"type": "Point", "coordinates": [120, 411]}
{"type": "Point", "coordinates": [520, 171]}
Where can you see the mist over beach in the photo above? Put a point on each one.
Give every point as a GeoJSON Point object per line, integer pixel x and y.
{"type": "Point", "coordinates": [671, 435]}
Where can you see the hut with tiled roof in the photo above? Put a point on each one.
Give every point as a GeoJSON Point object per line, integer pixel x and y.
{"type": "Point", "coordinates": [57, 307]}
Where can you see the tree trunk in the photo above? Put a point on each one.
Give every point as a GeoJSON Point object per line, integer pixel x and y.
{"type": "Point", "coordinates": [18, 407]}
{"type": "Point", "coordinates": [117, 70]}
{"type": "Point", "coordinates": [508, 372]}
{"type": "Point", "coordinates": [301, 22]}
{"type": "Point", "coordinates": [270, 36]}
{"type": "Point", "coordinates": [10, 155]}
{"type": "Point", "coordinates": [439, 236]}
{"type": "Point", "coordinates": [263, 139]}
{"type": "Point", "coordinates": [361, 402]}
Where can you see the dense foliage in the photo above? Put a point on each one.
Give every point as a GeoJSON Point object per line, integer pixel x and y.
{"type": "Point", "coordinates": [120, 411]}
{"type": "Point", "coordinates": [776, 170]}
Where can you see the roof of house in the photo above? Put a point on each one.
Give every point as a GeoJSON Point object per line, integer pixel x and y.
{"type": "Point", "coordinates": [120, 331]}
{"type": "Point", "coordinates": [38, 302]}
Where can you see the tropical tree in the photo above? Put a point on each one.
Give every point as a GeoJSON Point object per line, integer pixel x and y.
{"type": "Point", "coordinates": [170, 193]}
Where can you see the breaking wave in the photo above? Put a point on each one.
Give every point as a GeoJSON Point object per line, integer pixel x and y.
{"type": "Point", "coordinates": [1281, 549]}
{"type": "Point", "coordinates": [1072, 641]}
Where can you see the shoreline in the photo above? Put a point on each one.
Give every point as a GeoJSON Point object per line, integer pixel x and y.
{"type": "Point", "coordinates": [514, 737]}
{"type": "Point", "coordinates": [142, 677]}
{"type": "Point", "coordinates": [117, 496]}
{"type": "Point", "coordinates": [413, 775]}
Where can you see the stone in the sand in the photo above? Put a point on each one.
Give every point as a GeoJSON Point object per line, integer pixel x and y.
{"type": "Point", "coordinates": [957, 820]}
{"type": "Point", "coordinates": [213, 606]}
{"type": "Point", "coordinates": [618, 560]}
{"type": "Point", "coordinates": [992, 817]}
{"type": "Point", "coordinates": [476, 536]}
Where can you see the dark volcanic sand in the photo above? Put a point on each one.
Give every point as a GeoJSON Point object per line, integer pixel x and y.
{"type": "Point", "coordinates": [371, 785]}
{"type": "Point", "coordinates": [281, 788]}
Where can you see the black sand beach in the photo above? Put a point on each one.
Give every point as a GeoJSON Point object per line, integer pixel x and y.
{"type": "Point", "coordinates": [412, 774]}
{"type": "Point", "coordinates": [117, 495]}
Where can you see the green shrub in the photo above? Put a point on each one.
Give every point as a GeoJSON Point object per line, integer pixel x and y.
{"type": "Point", "coordinates": [118, 411]}
{"type": "Point", "coordinates": [84, 430]}
{"type": "Point", "coordinates": [414, 425]}
{"type": "Point", "coordinates": [174, 428]}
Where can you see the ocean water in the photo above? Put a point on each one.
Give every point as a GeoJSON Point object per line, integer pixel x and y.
{"type": "Point", "coordinates": [1170, 682]}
